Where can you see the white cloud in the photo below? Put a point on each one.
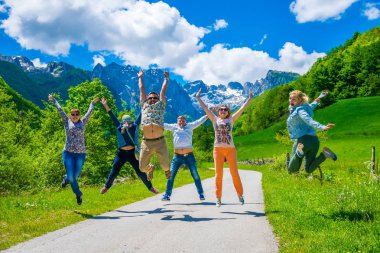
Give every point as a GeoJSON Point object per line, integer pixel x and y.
{"type": "Point", "coordinates": [38, 64]}
{"type": "Point", "coordinates": [263, 39]}
{"type": "Point", "coordinates": [2, 8]}
{"type": "Point", "coordinates": [319, 10]}
{"type": "Point", "coordinates": [138, 32]}
{"type": "Point", "coordinates": [98, 59]}
{"type": "Point", "coordinates": [220, 24]}
{"type": "Point", "coordinates": [142, 34]}
{"type": "Point", "coordinates": [294, 58]}
{"type": "Point", "coordinates": [222, 65]}
{"type": "Point", "coordinates": [371, 11]}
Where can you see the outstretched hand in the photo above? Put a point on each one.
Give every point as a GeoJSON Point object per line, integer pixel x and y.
{"type": "Point", "coordinates": [140, 74]}
{"type": "Point", "coordinates": [104, 101]}
{"type": "Point", "coordinates": [329, 126]}
{"type": "Point", "coordinates": [198, 95]}
{"type": "Point", "coordinates": [51, 97]}
{"type": "Point", "coordinates": [250, 94]}
{"type": "Point", "coordinates": [166, 74]}
{"type": "Point", "coordinates": [95, 100]}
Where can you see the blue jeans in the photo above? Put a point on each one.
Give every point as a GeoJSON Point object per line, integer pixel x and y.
{"type": "Point", "coordinates": [123, 156]}
{"type": "Point", "coordinates": [190, 162]}
{"type": "Point", "coordinates": [73, 163]}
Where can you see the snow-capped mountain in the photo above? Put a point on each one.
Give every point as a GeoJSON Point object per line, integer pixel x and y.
{"type": "Point", "coordinates": [122, 80]}
{"type": "Point", "coordinates": [234, 94]}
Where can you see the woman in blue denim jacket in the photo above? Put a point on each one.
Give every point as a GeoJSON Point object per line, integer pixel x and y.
{"type": "Point", "coordinates": [74, 152]}
{"type": "Point", "coordinates": [301, 127]}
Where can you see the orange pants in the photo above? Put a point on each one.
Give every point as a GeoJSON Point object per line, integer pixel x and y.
{"type": "Point", "coordinates": [230, 154]}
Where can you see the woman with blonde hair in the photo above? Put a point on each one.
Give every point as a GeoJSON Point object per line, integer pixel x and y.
{"type": "Point", "coordinates": [301, 127]}
{"type": "Point", "coordinates": [224, 147]}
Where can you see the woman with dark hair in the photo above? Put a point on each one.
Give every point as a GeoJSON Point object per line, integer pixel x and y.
{"type": "Point", "coordinates": [74, 152]}
{"type": "Point", "coordinates": [301, 127]}
{"type": "Point", "coordinates": [224, 147]}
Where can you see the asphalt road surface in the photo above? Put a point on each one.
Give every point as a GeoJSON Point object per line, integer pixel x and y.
{"type": "Point", "coordinates": [185, 224]}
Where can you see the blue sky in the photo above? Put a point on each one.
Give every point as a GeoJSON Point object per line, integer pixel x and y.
{"type": "Point", "coordinates": [216, 41]}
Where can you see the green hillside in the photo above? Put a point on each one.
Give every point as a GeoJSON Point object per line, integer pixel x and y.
{"type": "Point", "coordinates": [21, 103]}
{"type": "Point", "coordinates": [348, 71]}
{"type": "Point", "coordinates": [35, 86]}
{"type": "Point", "coordinates": [13, 74]}
{"type": "Point", "coordinates": [357, 129]}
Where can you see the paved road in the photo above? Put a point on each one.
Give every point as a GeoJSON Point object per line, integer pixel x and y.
{"type": "Point", "coordinates": [184, 224]}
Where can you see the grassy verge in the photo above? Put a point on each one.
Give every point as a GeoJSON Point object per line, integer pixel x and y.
{"type": "Point", "coordinates": [31, 215]}
{"type": "Point", "coordinates": [342, 215]}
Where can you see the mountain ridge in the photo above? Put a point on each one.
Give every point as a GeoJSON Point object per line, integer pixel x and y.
{"type": "Point", "coordinates": [57, 77]}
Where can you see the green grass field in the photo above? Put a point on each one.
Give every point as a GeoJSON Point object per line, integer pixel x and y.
{"type": "Point", "coordinates": [343, 214]}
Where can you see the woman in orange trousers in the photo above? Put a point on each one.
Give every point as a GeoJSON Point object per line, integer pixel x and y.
{"type": "Point", "coordinates": [224, 147]}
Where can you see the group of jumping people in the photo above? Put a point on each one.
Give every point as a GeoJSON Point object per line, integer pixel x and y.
{"type": "Point", "coordinates": [151, 121]}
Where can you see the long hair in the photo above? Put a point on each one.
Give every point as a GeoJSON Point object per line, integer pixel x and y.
{"type": "Point", "coordinates": [300, 95]}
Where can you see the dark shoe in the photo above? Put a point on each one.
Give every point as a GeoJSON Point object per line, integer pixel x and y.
{"type": "Point", "coordinates": [64, 182]}
{"type": "Point", "coordinates": [167, 174]}
{"type": "Point", "coordinates": [79, 199]}
{"type": "Point", "coordinates": [149, 172]}
{"type": "Point", "coordinates": [329, 154]}
{"type": "Point", "coordinates": [104, 190]}
{"type": "Point", "coordinates": [241, 200]}
{"type": "Point", "coordinates": [165, 197]}
{"type": "Point", "coordinates": [154, 190]}
{"type": "Point", "coordinates": [201, 196]}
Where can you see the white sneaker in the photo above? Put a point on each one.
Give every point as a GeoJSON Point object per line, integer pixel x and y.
{"type": "Point", "coordinates": [218, 202]}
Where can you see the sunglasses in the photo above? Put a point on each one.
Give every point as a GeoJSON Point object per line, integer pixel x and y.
{"type": "Point", "coordinates": [223, 109]}
{"type": "Point", "coordinates": [75, 114]}
{"type": "Point", "coordinates": [153, 98]}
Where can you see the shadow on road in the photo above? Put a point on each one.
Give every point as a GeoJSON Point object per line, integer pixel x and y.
{"type": "Point", "coordinates": [155, 211]}
{"type": "Point", "coordinates": [192, 204]}
{"type": "Point", "coordinates": [103, 217]}
{"type": "Point", "coordinates": [189, 218]}
{"type": "Point", "coordinates": [248, 213]}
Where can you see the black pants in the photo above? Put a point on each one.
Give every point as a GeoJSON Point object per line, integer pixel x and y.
{"type": "Point", "coordinates": [310, 149]}
{"type": "Point", "coordinates": [122, 156]}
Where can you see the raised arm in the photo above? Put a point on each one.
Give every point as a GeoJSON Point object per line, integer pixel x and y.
{"type": "Point", "coordinates": [141, 86]}
{"type": "Point", "coordinates": [314, 104]}
{"type": "Point", "coordinates": [237, 114]}
{"type": "Point", "coordinates": [209, 113]}
{"type": "Point", "coordinates": [318, 99]}
{"type": "Point", "coordinates": [112, 115]}
{"type": "Point", "coordinates": [61, 112]}
{"type": "Point", "coordinates": [198, 122]}
{"type": "Point", "coordinates": [138, 119]}
{"type": "Point", "coordinates": [170, 127]}
{"type": "Point", "coordinates": [89, 111]}
{"type": "Point", "coordinates": [164, 87]}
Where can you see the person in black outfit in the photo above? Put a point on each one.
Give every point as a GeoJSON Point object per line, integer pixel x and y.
{"type": "Point", "coordinates": [127, 142]}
